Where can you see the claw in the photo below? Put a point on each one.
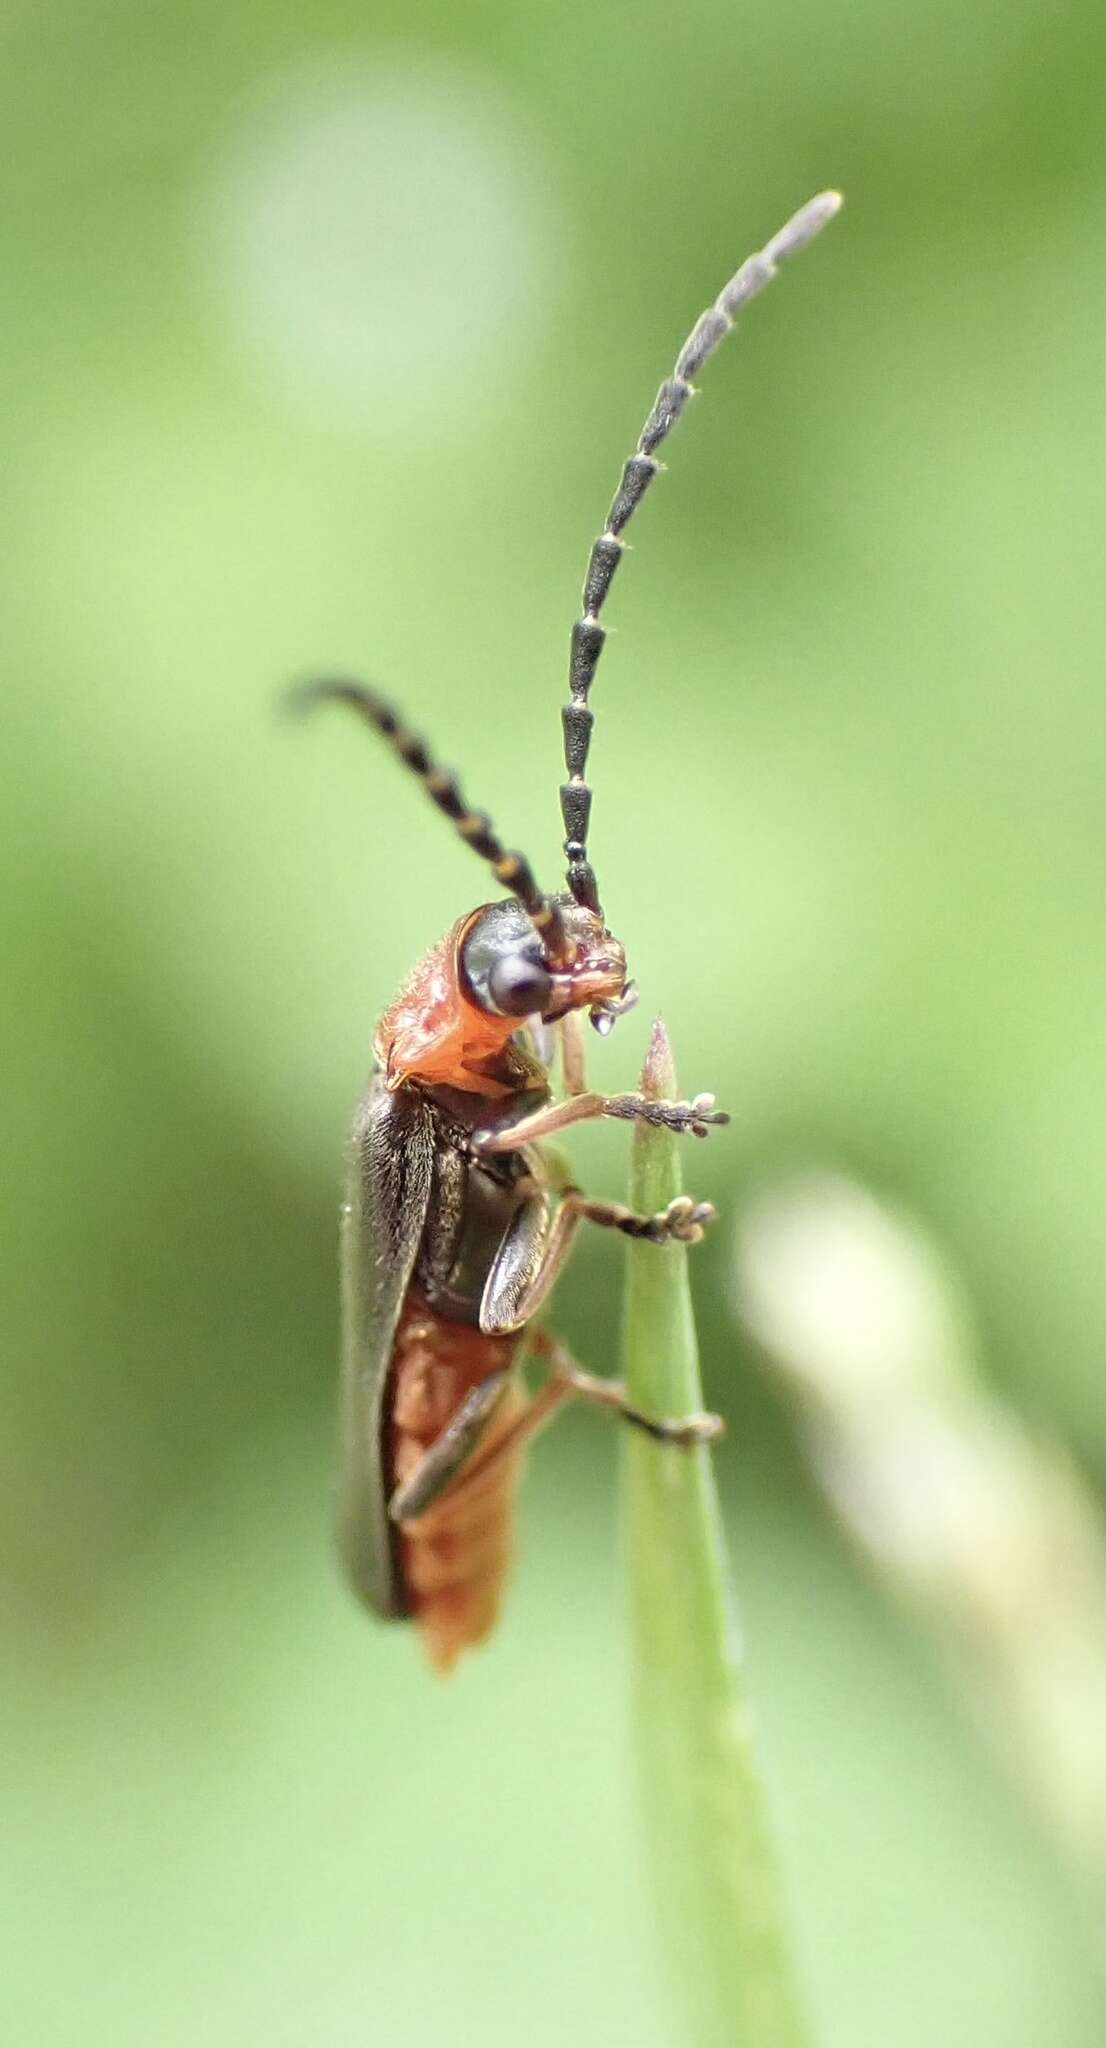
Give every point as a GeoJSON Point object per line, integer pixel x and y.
{"type": "Point", "coordinates": [703, 1428]}
{"type": "Point", "coordinates": [685, 1219]}
{"type": "Point", "coordinates": [697, 1115]}
{"type": "Point", "coordinates": [703, 1114]}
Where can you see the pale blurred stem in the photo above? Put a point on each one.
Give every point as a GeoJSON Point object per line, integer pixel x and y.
{"type": "Point", "coordinates": [712, 1873]}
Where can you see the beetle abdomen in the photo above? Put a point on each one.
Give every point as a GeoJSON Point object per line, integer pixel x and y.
{"type": "Point", "coordinates": [454, 1559]}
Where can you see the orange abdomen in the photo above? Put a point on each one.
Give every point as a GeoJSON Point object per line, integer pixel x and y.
{"type": "Point", "coordinates": [455, 1558]}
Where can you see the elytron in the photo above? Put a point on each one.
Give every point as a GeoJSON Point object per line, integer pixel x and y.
{"type": "Point", "coordinates": [458, 1215]}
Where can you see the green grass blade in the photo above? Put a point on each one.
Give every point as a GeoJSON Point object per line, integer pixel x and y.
{"type": "Point", "coordinates": [713, 1873]}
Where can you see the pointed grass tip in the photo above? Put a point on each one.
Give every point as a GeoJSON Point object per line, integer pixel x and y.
{"type": "Point", "coordinates": [658, 1075]}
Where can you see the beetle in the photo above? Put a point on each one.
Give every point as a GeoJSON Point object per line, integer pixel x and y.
{"type": "Point", "coordinates": [458, 1216]}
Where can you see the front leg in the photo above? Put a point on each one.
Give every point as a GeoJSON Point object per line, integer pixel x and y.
{"type": "Point", "coordinates": [573, 1058]}
{"type": "Point", "coordinates": [695, 1116]}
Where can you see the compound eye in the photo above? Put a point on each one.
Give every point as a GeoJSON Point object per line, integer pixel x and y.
{"type": "Point", "coordinates": [518, 987]}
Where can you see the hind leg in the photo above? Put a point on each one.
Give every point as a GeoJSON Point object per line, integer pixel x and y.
{"type": "Point", "coordinates": [450, 1469]}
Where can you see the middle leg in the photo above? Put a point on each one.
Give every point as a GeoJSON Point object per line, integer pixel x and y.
{"type": "Point", "coordinates": [534, 1250]}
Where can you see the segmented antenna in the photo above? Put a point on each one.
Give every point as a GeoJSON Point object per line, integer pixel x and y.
{"type": "Point", "coordinates": [588, 635]}
{"type": "Point", "coordinates": [513, 870]}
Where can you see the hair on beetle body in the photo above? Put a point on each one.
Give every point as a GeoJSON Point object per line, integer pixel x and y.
{"type": "Point", "coordinates": [458, 1217]}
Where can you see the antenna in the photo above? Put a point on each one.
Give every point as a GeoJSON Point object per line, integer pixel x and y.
{"type": "Point", "coordinates": [588, 635]}
{"type": "Point", "coordinates": [513, 870]}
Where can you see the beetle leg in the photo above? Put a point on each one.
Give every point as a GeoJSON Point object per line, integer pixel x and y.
{"type": "Point", "coordinates": [539, 1410]}
{"type": "Point", "coordinates": [450, 1450]}
{"type": "Point", "coordinates": [684, 1430]}
{"type": "Point", "coordinates": [694, 1116]}
{"type": "Point", "coordinates": [683, 1221]}
{"type": "Point", "coordinates": [533, 1250]}
{"type": "Point", "coordinates": [573, 1058]}
{"type": "Point", "coordinates": [566, 1379]}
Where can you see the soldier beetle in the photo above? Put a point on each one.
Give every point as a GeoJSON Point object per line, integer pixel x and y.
{"type": "Point", "coordinates": [457, 1219]}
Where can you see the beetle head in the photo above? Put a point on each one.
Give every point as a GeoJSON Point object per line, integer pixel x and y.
{"type": "Point", "coordinates": [511, 971]}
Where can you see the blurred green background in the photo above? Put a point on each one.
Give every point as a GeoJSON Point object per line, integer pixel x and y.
{"type": "Point", "coordinates": [325, 332]}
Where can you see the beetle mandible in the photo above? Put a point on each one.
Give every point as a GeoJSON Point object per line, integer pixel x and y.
{"type": "Point", "coordinates": [457, 1219]}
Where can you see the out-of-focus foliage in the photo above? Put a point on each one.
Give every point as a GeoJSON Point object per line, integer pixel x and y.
{"type": "Point", "coordinates": [975, 1520]}
{"type": "Point", "coordinates": [324, 336]}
